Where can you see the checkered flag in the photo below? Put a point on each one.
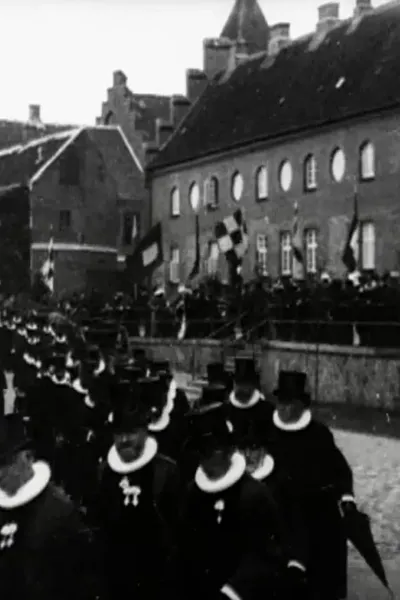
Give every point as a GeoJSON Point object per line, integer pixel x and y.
{"type": "Point", "coordinates": [47, 269]}
{"type": "Point", "coordinates": [232, 238]}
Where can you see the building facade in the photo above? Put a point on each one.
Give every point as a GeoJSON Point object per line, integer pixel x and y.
{"type": "Point", "coordinates": [86, 191]}
{"type": "Point", "coordinates": [308, 125]}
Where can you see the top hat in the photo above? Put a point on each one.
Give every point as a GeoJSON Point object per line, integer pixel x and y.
{"type": "Point", "coordinates": [292, 385]}
{"type": "Point", "coordinates": [160, 367]}
{"type": "Point", "coordinates": [130, 420]}
{"type": "Point", "coordinates": [245, 371]}
{"type": "Point", "coordinates": [13, 437]}
{"type": "Point", "coordinates": [216, 373]}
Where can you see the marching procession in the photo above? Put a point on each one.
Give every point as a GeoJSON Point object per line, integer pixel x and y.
{"type": "Point", "coordinates": [112, 483]}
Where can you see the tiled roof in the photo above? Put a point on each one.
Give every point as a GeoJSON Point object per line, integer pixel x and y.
{"type": "Point", "coordinates": [247, 22]}
{"type": "Point", "coordinates": [18, 164]}
{"type": "Point", "coordinates": [353, 70]}
{"type": "Point", "coordinates": [20, 132]}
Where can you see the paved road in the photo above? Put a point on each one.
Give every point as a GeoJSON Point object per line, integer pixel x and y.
{"type": "Point", "coordinates": [376, 464]}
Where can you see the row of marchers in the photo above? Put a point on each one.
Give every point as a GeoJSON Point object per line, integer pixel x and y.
{"type": "Point", "coordinates": [112, 485]}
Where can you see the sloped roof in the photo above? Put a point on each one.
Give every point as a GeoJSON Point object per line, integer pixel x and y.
{"type": "Point", "coordinates": [351, 71]}
{"type": "Point", "coordinates": [247, 22]}
{"type": "Point", "coordinates": [151, 107]}
{"type": "Point", "coordinates": [26, 163]}
{"type": "Point", "coordinates": [21, 132]}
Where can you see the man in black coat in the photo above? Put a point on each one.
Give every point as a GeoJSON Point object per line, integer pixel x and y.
{"type": "Point", "coordinates": [137, 512]}
{"type": "Point", "coordinates": [320, 480]}
{"type": "Point", "coordinates": [247, 410]}
{"type": "Point", "coordinates": [46, 552]}
{"type": "Point", "coordinates": [232, 536]}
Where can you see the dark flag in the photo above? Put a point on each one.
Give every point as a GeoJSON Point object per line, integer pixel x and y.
{"type": "Point", "coordinates": [196, 267]}
{"type": "Point", "coordinates": [351, 249]}
{"type": "Point", "coordinates": [148, 255]}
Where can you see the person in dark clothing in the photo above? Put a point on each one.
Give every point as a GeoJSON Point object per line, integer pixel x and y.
{"type": "Point", "coordinates": [46, 551]}
{"type": "Point", "coordinates": [319, 479]}
{"type": "Point", "coordinates": [137, 513]}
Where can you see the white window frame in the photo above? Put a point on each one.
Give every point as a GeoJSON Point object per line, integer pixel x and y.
{"type": "Point", "coordinates": [211, 193]}
{"type": "Point", "coordinates": [367, 161]}
{"type": "Point", "coordinates": [175, 200]}
{"type": "Point", "coordinates": [262, 190]}
{"type": "Point", "coordinates": [310, 173]}
{"type": "Point", "coordinates": [286, 253]}
{"type": "Point", "coordinates": [174, 265]}
{"type": "Point", "coordinates": [368, 243]}
{"type": "Point", "coordinates": [311, 243]}
{"type": "Point", "coordinates": [262, 253]}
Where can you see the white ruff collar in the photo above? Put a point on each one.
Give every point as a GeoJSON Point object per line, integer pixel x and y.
{"type": "Point", "coordinates": [264, 469]}
{"type": "Point", "coordinates": [298, 425]}
{"type": "Point", "coordinates": [101, 368]}
{"type": "Point", "coordinates": [77, 386]}
{"type": "Point", "coordinates": [29, 359]}
{"type": "Point", "coordinates": [57, 381]}
{"type": "Point", "coordinates": [234, 473]}
{"type": "Point", "coordinates": [171, 395]}
{"type": "Point", "coordinates": [117, 465]}
{"type": "Point", "coordinates": [255, 398]}
{"type": "Point", "coordinates": [162, 422]}
{"type": "Point", "coordinates": [30, 490]}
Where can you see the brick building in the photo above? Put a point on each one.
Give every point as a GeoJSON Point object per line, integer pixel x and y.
{"type": "Point", "coordinates": [87, 192]}
{"type": "Point", "coordinates": [305, 121]}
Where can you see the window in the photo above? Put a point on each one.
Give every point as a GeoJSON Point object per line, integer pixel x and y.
{"type": "Point", "coordinates": [285, 175]}
{"type": "Point", "coordinates": [262, 254]}
{"type": "Point", "coordinates": [69, 167]}
{"type": "Point", "coordinates": [130, 228]}
{"type": "Point", "coordinates": [237, 186]}
{"type": "Point", "coordinates": [338, 164]}
{"type": "Point", "coordinates": [211, 193]}
{"type": "Point", "coordinates": [368, 246]}
{"type": "Point", "coordinates": [175, 202]}
{"type": "Point", "coordinates": [212, 258]}
{"type": "Point", "coordinates": [194, 196]}
{"type": "Point", "coordinates": [367, 161]}
{"type": "Point", "coordinates": [311, 250]}
{"type": "Point", "coordinates": [65, 220]}
{"type": "Point", "coordinates": [286, 253]}
{"type": "Point", "coordinates": [310, 173]}
{"type": "Point", "coordinates": [262, 183]}
{"type": "Point", "coordinates": [174, 264]}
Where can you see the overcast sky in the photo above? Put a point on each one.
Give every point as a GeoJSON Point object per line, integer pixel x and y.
{"type": "Point", "coordinates": [61, 53]}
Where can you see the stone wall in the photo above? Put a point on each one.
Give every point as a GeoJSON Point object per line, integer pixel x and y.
{"type": "Point", "coordinates": [337, 374]}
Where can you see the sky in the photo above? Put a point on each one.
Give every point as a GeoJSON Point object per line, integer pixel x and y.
{"type": "Point", "coordinates": [61, 53]}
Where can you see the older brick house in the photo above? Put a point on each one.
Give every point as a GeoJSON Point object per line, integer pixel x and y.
{"type": "Point", "coordinates": [307, 121]}
{"type": "Point", "coordinates": [87, 193]}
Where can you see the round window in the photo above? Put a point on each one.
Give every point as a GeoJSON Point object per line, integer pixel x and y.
{"type": "Point", "coordinates": [285, 176]}
{"type": "Point", "coordinates": [237, 186]}
{"type": "Point", "coordinates": [194, 196]}
{"type": "Point", "coordinates": [338, 164]}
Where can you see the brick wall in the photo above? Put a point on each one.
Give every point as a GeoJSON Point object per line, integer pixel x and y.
{"type": "Point", "coordinates": [329, 208]}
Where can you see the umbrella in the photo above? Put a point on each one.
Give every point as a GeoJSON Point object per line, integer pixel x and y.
{"type": "Point", "coordinates": [358, 530]}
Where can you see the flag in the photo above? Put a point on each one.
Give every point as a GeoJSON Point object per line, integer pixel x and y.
{"type": "Point", "coordinates": [196, 267]}
{"type": "Point", "coordinates": [47, 269]}
{"type": "Point", "coordinates": [351, 249]}
{"type": "Point", "coordinates": [232, 237]}
{"type": "Point", "coordinates": [297, 246]}
{"type": "Point", "coordinates": [147, 256]}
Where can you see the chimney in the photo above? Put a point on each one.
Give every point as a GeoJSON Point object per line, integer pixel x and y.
{"type": "Point", "coordinates": [362, 7]}
{"type": "Point", "coordinates": [279, 37]}
{"type": "Point", "coordinates": [119, 78]}
{"type": "Point", "coordinates": [196, 83]}
{"type": "Point", "coordinates": [34, 114]}
{"type": "Point", "coordinates": [328, 17]}
{"type": "Point", "coordinates": [218, 56]}
{"type": "Point", "coordinates": [179, 106]}
{"type": "Point", "coordinates": [163, 131]}
{"type": "Point", "coordinates": [150, 151]}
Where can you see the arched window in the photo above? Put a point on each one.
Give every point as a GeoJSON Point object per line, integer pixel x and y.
{"type": "Point", "coordinates": [367, 161]}
{"type": "Point", "coordinates": [262, 183]}
{"type": "Point", "coordinates": [310, 173]}
{"type": "Point", "coordinates": [211, 193]}
{"type": "Point", "coordinates": [194, 196]}
{"type": "Point", "coordinates": [338, 164]}
{"type": "Point", "coordinates": [237, 186]}
{"type": "Point", "coordinates": [285, 175]}
{"type": "Point", "coordinates": [175, 202]}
